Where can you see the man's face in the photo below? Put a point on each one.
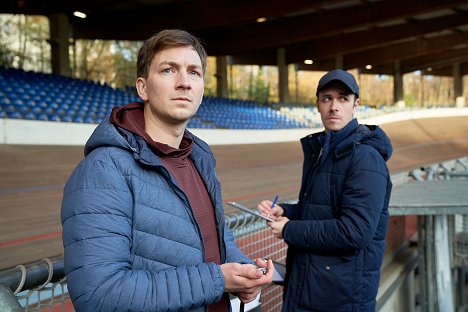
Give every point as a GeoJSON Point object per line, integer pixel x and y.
{"type": "Point", "coordinates": [173, 90]}
{"type": "Point", "coordinates": [336, 105]}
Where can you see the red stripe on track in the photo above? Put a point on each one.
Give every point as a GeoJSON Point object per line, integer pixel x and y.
{"type": "Point", "coordinates": [30, 239]}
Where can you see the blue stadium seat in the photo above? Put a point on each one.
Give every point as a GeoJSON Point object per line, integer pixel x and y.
{"type": "Point", "coordinates": [53, 117]}
{"type": "Point", "coordinates": [42, 116]}
{"type": "Point", "coordinates": [14, 114]}
{"type": "Point", "coordinates": [67, 118]}
{"type": "Point", "coordinates": [88, 119]}
{"type": "Point", "coordinates": [78, 119]}
{"type": "Point", "coordinates": [29, 116]}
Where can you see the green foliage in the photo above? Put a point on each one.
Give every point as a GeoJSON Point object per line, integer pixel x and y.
{"type": "Point", "coordinates": [262, 89]}
{"type": "Point", "coordinates": [23, 42]}
{"type": "Point", "coordinates": [258, 89]}
{"type": "Point", "coordinates": [106, 61]}
{"type": "Point", "coordinates": [210, 78]}
{"type": "Point", "coordinates": [6, 57]}
{"type": "Point", "coordinates": [411, 100]}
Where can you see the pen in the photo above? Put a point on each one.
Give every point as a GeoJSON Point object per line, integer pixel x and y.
{"type": "Point", "coordinates": [274, 203]}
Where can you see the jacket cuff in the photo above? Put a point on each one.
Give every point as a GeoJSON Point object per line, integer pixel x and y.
{"type": "Point", "coordinates": [284, 229]}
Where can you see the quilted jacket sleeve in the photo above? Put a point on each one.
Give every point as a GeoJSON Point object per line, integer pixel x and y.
{"type": "Point", "coordinates": [233, 252]}
{"type": "Point", "coordinates": [97, 236]}
{"type": "Point", "coordinates": [290, 210]}
{"type": "Point", "coordinates": [363, 200]}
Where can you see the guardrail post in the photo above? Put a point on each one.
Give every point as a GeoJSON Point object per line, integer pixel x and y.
{"type": "Point", "coordinates": [8, 301]}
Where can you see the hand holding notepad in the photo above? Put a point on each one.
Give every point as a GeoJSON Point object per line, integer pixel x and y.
{"type": "Point", "coordinates": [251, 211]}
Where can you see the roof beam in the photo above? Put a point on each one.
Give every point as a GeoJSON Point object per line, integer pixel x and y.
{"type": "Point", "coordinates": [317, 25]}
{"type": "Point", "coordinates": [405, 50]}
{"type": "Point", "coordinates": [448, 69]}
{"type": "Point", "coordinates": [434, 60]}
{"type": "Point", "coordinates": [372, 38]}
{"type": "Point", "coordinates": [429, 48]}
{"type": "Point", "coordinates": [438, 62]}
{"type": "Point", "coordinates": [195, 16]}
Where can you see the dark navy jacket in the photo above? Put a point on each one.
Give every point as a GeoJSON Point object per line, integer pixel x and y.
{"type": "Point", "coordinates": [336, 235]}
{"type": "Point", "coordinates": [130, 237]}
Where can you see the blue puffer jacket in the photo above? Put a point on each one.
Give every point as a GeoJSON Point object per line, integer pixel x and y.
{"type": "Point", "coordinates": [336, 235]}
{"type": "Point", "coordinates": [130, 237]}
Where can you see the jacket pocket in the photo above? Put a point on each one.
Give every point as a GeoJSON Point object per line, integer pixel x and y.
{"type": "Point", "coordinates": [329, 283]}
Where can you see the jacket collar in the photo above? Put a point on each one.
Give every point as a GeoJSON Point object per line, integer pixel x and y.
{"type": "Point", "coordinates": [329, 141]}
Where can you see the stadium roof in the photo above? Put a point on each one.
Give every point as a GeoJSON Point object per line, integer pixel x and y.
{"type": "Point", "coordinates": [421, 34]}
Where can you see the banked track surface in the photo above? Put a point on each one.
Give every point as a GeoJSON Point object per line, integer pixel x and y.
{"type": "Point", "coordinates": [32, 178]}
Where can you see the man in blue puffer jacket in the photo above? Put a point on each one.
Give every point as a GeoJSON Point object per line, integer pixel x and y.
{"type": "Point", "coordinates": [336, 231]}
{"type": "Point", "coordinates": [142, 215]}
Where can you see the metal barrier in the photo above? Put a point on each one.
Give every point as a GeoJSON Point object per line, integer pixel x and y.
{"type": "Point", "coordinates": [39, 286]}
{"type": "Point", "coordinates": [440, 201]}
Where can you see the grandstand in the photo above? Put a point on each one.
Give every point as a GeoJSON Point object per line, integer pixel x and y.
{"type": "Point", "coordinates": [48, 97]}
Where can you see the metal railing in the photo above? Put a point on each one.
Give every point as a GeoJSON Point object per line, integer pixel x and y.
{"type": "Point", "coordinates": [34, 287]}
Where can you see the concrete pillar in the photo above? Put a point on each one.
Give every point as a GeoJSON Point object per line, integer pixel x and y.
{"type": "Point", "coordinates": [59, 35]}
{"type": "Point", "coordinates": [283, 76]}
{"type": "Point", "coordinates": [458, 85]}
{"type": "Point", "coordinates": [339, 62]}
{"type": "Point", "coordinates": [398, 95]}
{"type": "Point", "coordinates": [221, 77]}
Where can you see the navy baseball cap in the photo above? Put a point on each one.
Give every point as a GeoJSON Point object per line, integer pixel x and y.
{"type": "Point", "coordinates": [339, 75]}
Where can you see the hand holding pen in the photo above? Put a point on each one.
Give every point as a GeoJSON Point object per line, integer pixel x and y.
{"type": "Point", "coordinates": [273, 204]}
{"type": "Point", "coordinates": [270, 208]}
{"type": "Point", "coordinates": [275, 212]}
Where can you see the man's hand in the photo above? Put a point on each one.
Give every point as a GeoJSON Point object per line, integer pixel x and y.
{"type": "Point", "coordinates": [277, 227]}
{"type": "Point", "coordinates": [265, 208]}
{"type": "Point", "coordinates": [245, 280]}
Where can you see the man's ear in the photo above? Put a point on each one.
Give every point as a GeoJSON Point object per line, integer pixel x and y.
{"type": "Point", "coordinates": [355, 105]}
{"type": "Point", "coordinates": [141, 88]}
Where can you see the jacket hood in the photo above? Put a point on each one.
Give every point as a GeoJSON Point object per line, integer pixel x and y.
{"type": "Point", "coordinates": [365, 134]}
{"type": "Point", "coordinates": [343, 142]}
{"type": "Point", "coordinates": [106, 135]}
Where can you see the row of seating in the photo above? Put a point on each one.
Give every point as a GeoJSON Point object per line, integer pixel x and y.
{"type": "Point", "coordinates": [48, 97]}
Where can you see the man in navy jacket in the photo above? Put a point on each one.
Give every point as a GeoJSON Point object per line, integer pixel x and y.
{"type": "Point", "coordinates": [336, 231]}
{"type": "Point", "coordinates": [142, 214]}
